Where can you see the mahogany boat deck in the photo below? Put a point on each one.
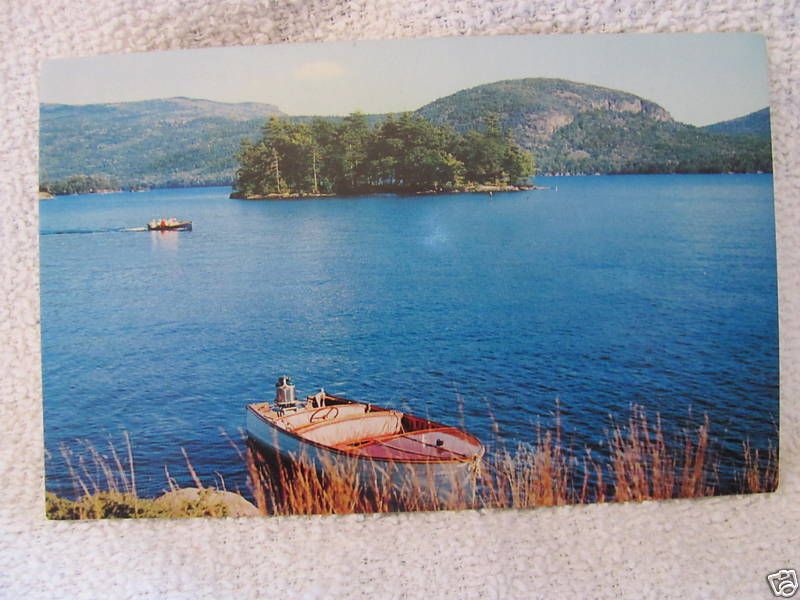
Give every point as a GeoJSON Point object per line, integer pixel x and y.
{"type": "Point", "coordinates": [372, 432]}
{"type": "Point", "coordinates": [436, 443]}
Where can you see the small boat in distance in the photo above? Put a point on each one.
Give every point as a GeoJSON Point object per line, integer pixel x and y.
{"type": "Point", "coordinates": [171, 224]}
{"type": "Point", "coordinates": [328, 429]}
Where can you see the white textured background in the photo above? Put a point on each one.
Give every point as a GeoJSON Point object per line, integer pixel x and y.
{"type": "Point", "coordinates": [715, 548]}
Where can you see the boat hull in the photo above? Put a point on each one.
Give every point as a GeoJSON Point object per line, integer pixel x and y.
{"type": "Point", "coordinates": [179, 227]}
{"type": "Point", "coordinates": [444, 478]}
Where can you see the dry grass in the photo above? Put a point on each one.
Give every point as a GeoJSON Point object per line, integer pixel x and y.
{"type": "Point", "coordinates": [646, 467]}
{"type": "Point", "coordinates": [760, 470]}
{"type": "Point", "coordinates": [105, 487]}
{"type": "Point", "coordinates": [296, 486]}
{"type": "Point", "coordinates": [643, 463]}
{"type": "Point", "coordinates": [542, 475]}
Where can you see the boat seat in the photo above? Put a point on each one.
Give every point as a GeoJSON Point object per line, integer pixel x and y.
{"type": "Point", "coordinates": [302, 419]}
{"type": "Point", "coordinates": [350, 430]}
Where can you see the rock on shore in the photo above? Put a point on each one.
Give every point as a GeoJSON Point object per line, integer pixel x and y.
{"type": "Point", "coordinates": [234, 504]}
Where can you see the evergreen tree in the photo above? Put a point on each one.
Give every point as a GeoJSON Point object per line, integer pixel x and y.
{"type": "Point", "coordinates": [352, 140]}
{"type": "Point", "coordinates": [405, 153]}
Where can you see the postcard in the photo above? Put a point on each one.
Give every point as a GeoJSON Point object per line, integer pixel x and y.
{"type": "Point", "coordinates": [408, 275]}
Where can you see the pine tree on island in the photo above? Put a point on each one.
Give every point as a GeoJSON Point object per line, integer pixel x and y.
{"type": "Point", "coordinates": [404, 153]}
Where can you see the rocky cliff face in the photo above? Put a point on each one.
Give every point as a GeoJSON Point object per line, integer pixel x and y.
{"type": "Point", "coordinates": [579, 128]}
{"type": "Point", "coordinates": [534, 109]}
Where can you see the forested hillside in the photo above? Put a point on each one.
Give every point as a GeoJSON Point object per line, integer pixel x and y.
{"type": "Point", "coordinates": [602, 142]}
{"type": "Point", "coordinates": [578, 128]}
{"type": "Point", "coordinates": [170, 142]}
{"type": "Point", "coordinates": [568, 127]}
{"type": "Point", "coordinates": [755, 124]}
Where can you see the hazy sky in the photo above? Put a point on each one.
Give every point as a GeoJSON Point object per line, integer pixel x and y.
{"type": "Point", "coordinates": [700, 79]}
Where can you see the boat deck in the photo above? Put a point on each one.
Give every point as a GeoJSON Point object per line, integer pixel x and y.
{"type": "Point", "coordinates": [374, 432]}
{"type": "Point", "coordinates": [435, 444]}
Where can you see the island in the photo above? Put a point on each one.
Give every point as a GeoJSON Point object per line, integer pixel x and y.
{"type": "Point", "coordinates": [79, 184]}
{"type": "Point", "coordinates": [405, 154]}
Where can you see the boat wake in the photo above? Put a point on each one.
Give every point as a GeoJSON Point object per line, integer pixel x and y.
{"type": "Point", "coordinates": [90, 231]}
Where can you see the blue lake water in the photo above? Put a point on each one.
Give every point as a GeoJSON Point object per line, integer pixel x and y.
{"type": "Point", "coordinates": [607, 292]}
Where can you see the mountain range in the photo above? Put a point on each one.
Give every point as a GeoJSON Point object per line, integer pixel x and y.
{"type": "Point", "coordinates": [756, 123]}
{"type": "Point", "coordinates": [569, 127]}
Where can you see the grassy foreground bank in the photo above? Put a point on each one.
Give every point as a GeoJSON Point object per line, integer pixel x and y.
{"type": "Point", "coordinates": [642, 464]}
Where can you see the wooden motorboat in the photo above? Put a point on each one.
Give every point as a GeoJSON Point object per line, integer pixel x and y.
{"type": "Point", "coordinates": [328, 430]}
{"type": "Point", "coordinates": [171, 224]}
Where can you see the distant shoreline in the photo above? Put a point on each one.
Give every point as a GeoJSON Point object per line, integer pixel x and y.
{"type": "Point", "coordinates": [47, 196]}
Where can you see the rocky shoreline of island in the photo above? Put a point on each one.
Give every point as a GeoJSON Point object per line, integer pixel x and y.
{"type": "Point", "coordinates": [471, 189]}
